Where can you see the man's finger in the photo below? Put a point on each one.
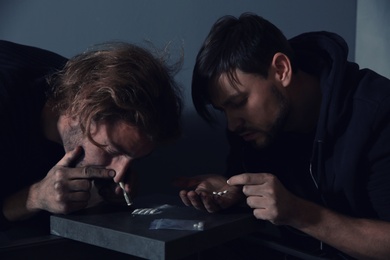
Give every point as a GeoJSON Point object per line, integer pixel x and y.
{"type": "Point", "coordinates": [71, 157]}
{"type": "Point", "coordinates": [195, 199]}
{"type": "Point", "coordinates": [96, 172]}
{"type": "Point", "coordinates": [246, 179]}
{"type": "Point", "coordinates": [184, 198]}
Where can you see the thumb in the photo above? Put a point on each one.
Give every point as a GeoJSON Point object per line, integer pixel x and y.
{"type": "Point", "coordinates": [71, 158]}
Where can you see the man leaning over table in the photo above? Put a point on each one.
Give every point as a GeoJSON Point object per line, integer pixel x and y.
{"type": "Point", "coordinates": [309, 135]}
{"type": "Point", "coordinates": [73, 128]}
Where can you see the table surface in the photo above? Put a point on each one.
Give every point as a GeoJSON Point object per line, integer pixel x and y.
{"type": "Point", "coordinates": [120, 230]}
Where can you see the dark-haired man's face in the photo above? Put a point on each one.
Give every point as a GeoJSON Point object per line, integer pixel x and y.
{"type": "Point", "coordinates": [255, 108]}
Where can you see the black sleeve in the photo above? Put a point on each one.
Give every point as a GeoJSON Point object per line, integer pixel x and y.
{"type": "Point", "coordinates": [13, 55]}
{"type": "Point", "coordinates": [378, 186]}
{"type": "Point", "coordinates": [21, 100]}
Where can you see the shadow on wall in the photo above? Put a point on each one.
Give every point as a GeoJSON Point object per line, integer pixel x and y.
{"type": "Point", "coordinates": [202, 149]}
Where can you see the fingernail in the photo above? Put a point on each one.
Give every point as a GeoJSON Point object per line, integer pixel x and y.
{"type": "Point", "coordinates": [228, 181]}
{"type": "Point", "coordinates": [111, 173]}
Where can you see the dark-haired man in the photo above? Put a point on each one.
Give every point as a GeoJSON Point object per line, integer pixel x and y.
{"type": "Point", "coordinates": [309, 134]}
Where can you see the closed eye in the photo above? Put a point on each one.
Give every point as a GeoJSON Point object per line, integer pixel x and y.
{"type": "Point", "coordinates": [238, 104]}
{"type": "Point", "coordinates": [113, 152]}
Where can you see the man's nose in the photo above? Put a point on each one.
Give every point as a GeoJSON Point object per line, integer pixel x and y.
{"type": "Point", "coordinates": [234, 122]}
{"type": "Point", "coordinates": [121, 167]}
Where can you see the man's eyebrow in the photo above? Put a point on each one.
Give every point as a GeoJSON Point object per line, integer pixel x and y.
{"type": "Point", "coordinates": [120, 149]}
{"type": "Point", "coordinates": [230, 99]}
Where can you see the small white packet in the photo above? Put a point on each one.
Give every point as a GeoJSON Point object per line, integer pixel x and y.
{"type": "Point", "coordinates": [177, 224]}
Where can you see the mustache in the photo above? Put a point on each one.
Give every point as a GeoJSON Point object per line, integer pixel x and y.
{"type": "Point", "coordinates": [245, 129]}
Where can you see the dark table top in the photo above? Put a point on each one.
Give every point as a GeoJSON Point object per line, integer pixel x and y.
{"type": "Point", "coordinates": [120, 230]}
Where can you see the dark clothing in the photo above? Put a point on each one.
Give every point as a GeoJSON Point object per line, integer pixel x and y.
{"type": "Point", "coordinates": [25, 155]}
{"type": "Point", "coordinates": [345, 164]}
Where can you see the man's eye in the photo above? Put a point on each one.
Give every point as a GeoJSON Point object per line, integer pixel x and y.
{"type": "Point", "coordinates": [239, 104]}
{"type": "Point", "coordinates": [113, 152]}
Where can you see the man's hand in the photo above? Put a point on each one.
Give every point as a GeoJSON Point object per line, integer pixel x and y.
{"type": "Point", "coordinates": [201, 196]}
{"type": "Point", "coordinates": [111, 191]}
{"type": "Point", "coordinates": [66, 189]}
{"type": "Point", "coordinates": [267, 196]}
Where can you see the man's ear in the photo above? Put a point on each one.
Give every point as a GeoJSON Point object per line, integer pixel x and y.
{"type": "Point", "coordinates": [282, 70]}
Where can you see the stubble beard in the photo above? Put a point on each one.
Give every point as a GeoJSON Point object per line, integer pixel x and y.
{"type": "Point", "coordinates": [72, 138]}
{"type": "Point", "coordinates": [279, 124]}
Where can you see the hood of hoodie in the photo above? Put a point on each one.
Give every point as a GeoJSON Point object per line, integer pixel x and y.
{"type": "Point", "coordinates": [349, 160]}
{"type": "Point", "coordinates": [325, 55]}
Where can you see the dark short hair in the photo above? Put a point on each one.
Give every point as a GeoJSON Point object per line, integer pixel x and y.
{"type": "Point", "coordinates": [120, 81]}
{"type": "Point", "coordinates": [247, 43]}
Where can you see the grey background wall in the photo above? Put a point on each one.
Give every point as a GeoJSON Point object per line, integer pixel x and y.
{"type": "Point", "coordinates": [373, 35]}
{"type": "Point", "coordinates": [69, 27]}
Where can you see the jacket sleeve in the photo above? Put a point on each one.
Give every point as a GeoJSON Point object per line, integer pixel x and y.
{"type": "Point", "coordinates": [21, 67]}
{"type": "Point", "coordinates": [378, 185]}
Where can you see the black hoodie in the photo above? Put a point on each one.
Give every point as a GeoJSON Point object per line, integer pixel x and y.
{"type": "Point", "coordinates": [345, 164]}
{"type": "Point", "coordinates": [25, 155]}
{"type": "Point", "coordinates": [352, 144]}
{"type": "Point", "coordinates": [349, 154]}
